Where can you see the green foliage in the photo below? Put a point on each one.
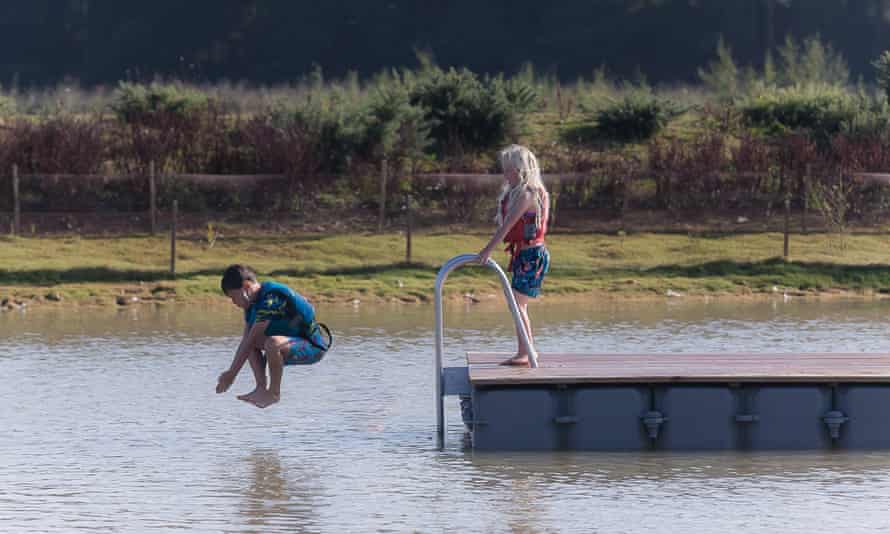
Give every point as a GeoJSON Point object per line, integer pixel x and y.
{"type": "Point", "coordinates": [821, 110]}
{"type": "Point", "coordinates": [178, 128]}
{"type": "Point", "coordinates": [521, 94]}
{"type": "Point", "coordinates": [319, 135]}
{"type": "Point", "coordinates": [344, 265]}
{"type": "Point", "coordinates": [394, 127]}
{"type": "Point", "coordinates": [722, 75]}
{"type": "Point", "coordinates": [770, 73]}
{"type": "Point", "coordinates": [799, 64]}
{"type": "Point", "coordinates": [871, 118]}
{"type": "Point", "coordinates": [140, 103]}
{"type": "Point", "coordinates": [529, 90]}
{"type": "Point", "coordinates": [811, 62]}
{"type": "Point", "coordinates": [7, 105]}
{"type": "Point", "coordinates": [636, 117]}
{"type": "Point", "coordinates": [882, 66]}
{"type": "Point", "coordinates": [468, 113]}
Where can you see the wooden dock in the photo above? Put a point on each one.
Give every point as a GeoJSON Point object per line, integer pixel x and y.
{"type": "Point", "coordinates": [682, 368]}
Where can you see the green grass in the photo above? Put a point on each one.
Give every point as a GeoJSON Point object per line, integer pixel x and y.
{"type": "Point", "coordinates": [372, 267]}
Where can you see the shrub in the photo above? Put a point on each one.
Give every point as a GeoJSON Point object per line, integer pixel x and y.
{"type": "Point", "coordinates": [394, 128]}
{"type": "Point", "coordinates": [135, 103]}
{"type": "Point", "coordinates": [638, 116]}
{"type": "Point", "coordinates": [308, 142]}
{"type": "Point", "coordinates": [165, 124]}
{"type": "Point", "coordinates": [7, 105]}
{"type": "Point", "coordinates": [882, 66]}
{"type": "Point", "coordinates": [811, 62]}
{"type": "Point", "coordinates": [469, 114]}
{"type": "Point", "coordinates": [616, 174]}
{"type": "Point", "coordinates": [721, 76]}
{"type": "Point", "coordinates": [861, 153]}
{"type": "Point", "coordinates": [59, 145]}
{"type": "Point", "coordinates": [870, 119]}
{"type": "Point", "coordinates": [821, 110]}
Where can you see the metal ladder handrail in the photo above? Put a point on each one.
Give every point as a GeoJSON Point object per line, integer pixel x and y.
{"type": "Point", "coordinates": [450, 265]}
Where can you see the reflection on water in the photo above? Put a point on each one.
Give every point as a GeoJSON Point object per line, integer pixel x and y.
{"type": "Point", "coordinates": [110, 423]}
{"type": "Point", "coordinates": [276, 499]}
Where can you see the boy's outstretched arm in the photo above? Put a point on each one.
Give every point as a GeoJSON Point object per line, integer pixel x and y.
{"type": "Point", "coordinates": [248, 340]}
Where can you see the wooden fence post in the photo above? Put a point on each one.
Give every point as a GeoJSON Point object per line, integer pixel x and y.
{"type": "Point", "coordinates": [555, 189]}
{"type": "Point", "coordinates": [173, 239]}
{"type": "Point", "coordinates": [383, 172]}
{"type": "Point", "coordinates": [805, 193]}
{"type": "Point", "coordinates": [625, 193]}
{"type": "Point", "coordinates": [16, 206]}
{"type": "Point", "coordinates": [409, 223]}
{"type": "Point", "coordinates": [152, 198]}
{"type": "Point", "coordinates": [787, 225]}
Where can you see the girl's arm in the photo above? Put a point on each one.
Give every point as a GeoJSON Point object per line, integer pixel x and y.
{"type": "Point", "coordinates": [522, 204]}
{"type": "Point", "coordinates": [545, 215]}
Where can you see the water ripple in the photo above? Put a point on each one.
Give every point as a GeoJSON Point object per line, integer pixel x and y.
{"type": "Point", "coordinates": [110, 423]}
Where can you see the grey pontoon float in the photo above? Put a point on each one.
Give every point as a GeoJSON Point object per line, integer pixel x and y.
{"type": "Point", "coordinates": [679, 401]}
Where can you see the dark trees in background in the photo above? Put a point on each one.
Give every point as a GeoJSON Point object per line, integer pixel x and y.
{"type": "Point", "coordinates": [274, 41]}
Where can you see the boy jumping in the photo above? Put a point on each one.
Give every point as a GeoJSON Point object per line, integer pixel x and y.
{"type": "Point", "coordinates": [280, 328]}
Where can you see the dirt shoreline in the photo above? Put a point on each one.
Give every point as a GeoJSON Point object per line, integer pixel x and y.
{"type": "Point", "coordinates": [32, 297]}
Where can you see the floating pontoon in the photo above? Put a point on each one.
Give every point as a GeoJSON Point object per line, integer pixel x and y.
{"type": "Point", "coordinates": [664, 401]}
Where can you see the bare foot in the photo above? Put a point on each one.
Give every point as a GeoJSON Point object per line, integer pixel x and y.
{"type": "Point", "coordinates": [263, 398]}
{"type": "Point", "coordinates": [518, 360]}
{"type": "Point", "coordinates": [249, 396]}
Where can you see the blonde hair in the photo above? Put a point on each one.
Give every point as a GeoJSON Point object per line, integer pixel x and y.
{"type": "Point", "coordinates": [521, 159]}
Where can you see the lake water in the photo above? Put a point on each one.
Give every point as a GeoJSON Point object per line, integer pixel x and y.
{"type": "Point", "coordinates": [110, 423]}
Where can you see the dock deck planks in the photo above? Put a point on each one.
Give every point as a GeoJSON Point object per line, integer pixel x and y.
{"type": "Point", "coordinates": [682, 368]}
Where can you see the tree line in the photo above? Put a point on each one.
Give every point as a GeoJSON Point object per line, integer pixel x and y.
{"type": "Point", "coordinates": [278, 41]}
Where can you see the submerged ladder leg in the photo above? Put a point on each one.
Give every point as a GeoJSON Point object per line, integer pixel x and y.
{"type": "Point", "coordinates": [450, 265]}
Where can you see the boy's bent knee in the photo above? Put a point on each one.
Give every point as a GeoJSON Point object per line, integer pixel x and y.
{"type": "Point", "coordinates": [276, 344]}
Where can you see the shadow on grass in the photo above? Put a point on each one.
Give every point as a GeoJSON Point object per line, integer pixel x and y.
{"type": "Point", "coordinates": [581, 135]}
{"type": "Point", "coordinates": [802, 275]}
{"type": "Point", "coordinates": [39, 277]}
{"type": "Point", "coordinates": [592, 136]}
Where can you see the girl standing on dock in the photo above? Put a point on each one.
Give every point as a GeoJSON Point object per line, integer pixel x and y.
{"type": "Point", "coordinates": [523, 211]}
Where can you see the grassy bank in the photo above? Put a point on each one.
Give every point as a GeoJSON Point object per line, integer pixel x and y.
{"type": "Point", "coordinates": [371, 267]}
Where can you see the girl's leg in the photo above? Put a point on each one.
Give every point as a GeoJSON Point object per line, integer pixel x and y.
{"type": "Point", "coordinates": [521, 357]}
{"type": "Point", "coordinates": [523, 311]}
{"type": "Point", "coordinates": [258, 366]}
{"type": "Point", "coordinates": [528, 273]}
{"type": "Point", "coordinates": [522, 304]}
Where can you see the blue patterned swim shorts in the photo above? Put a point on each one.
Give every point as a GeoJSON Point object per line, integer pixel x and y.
{"type": "Point", "coordinates": [301, 351]}
{"type": "Point", "coordinates": [529, 268]}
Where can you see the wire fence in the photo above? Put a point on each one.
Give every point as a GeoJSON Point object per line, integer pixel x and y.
{"type": "Point", "coordinates": [127, 204]}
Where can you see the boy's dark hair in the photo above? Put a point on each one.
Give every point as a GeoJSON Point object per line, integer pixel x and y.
{"type": "Point", "coordinates": [235, 275]}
